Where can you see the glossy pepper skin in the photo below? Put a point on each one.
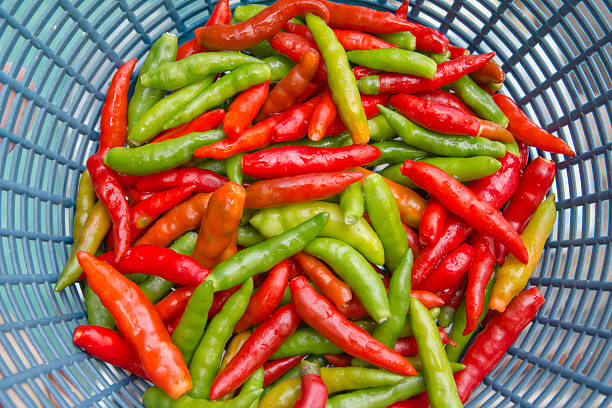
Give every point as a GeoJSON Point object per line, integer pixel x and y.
{"type": "Point", "coordinates": [341, 81]}
{"type": "Point", "coordinates": [222, 14]}
{"type": "Point", "coordinates": [350, 39]}
{"type": "Point", "coordinates": [491, 344]}
{"type": "Point", "coordinates": [296, 189]}
{"type": "Point", "coordinates": [85, 201]}
{"type": "Point", "coordinates": [259, 27]}
{"type": "Point", "coordinates": [297, 160]}
{"type": "Point", "coordinates": [395, 151]}
{"type": "Point", "coordinates": [352, 203]}
{"type": "Point", "coordinates": [478, 100]}
{"type": "Point", "coordinates": [140, 325]}
{"type": "Point", "coordinates": [320, 314]}
{"type": "Point", "coordinates": [108, 346]}
{"type": "Point", "coordinates": [432, 223]}
{"type": "Point", "coordinates": [478, 276]}
{"type": "Point", "coordinates": [444, 98]}
{"type": "Point", "coordinates": [203, 123]}
{"type": "Point", "coordinates": [294, 123]}
{"type": "Point", "coordinates": [279, 66]}
{"type": "Point", "coordinates": [451, 270]}
{"type": "Point", "coordinates": [295, 47]}
{"type": "Point", "coordinates": [243, 110]}
{"type": "Point", "coordinates": [525, 130]}
{"type": "Point", "coordinates": [97, 314]}
{"type": "Point", "coordinates": [264, 341]}
{"type": "Point", "coordinates": [173, 304]}
{"type": "Point", "coordinates": [313, 390]}
{"type": "Point", "coordinates": [205, 181]}
{"type": "Point", "coordinates": [394, 60]}
{"type": "Point", "coordinates": [274, 369]}
{"type": "Point", "coordinates": [323, 116]}
{"type": "Point", "coordinates": [333, 288]}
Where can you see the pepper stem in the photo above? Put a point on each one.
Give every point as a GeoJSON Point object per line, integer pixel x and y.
{"type": "Point", "coordinates": [306, 368]}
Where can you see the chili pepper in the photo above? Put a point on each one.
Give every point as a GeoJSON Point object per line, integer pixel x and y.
{"type": "Point", "coordinates": [306, 341]}
{"type": "Point", "coordinates": [255, 137]}
{"type": "Point", "coordinates": [85, 201]}
{"type": "Point", "coordinates": [157, 157]}
{"type": "Point", "coordinates": [339, 360]}
{"type": "Point", "coordinates": [233, 167]}
{"type": "Point", "coordinates": [205, 122]}
{"type": "Point", "coordinates": [260, 27]}
{"type": "Point", "coordinates": [190, 329]}
{"type": "Point", "coordinates": [97, 314]}
{"type": "Point", "coordinates": [263, 256]}
{"type": "Point", "coordinates": [273, 221]}
{"type": "Point", "coordinates": [236, 344]}
{"type": "Point", "coordinates": [154, 397]}
{"type": "Point", "coordinates": [313, 389]}
{"type": "Point", "coordinates": [379, 397]}
{"type": "Point", "coordinates": [408, 346]}
{"type": "Point", "coordinates": [108, 346]}
{"type": "Point", "coordinates": [456, 52]}
{"type": "Point", "coordinates": [275, 369]}
{"type": "Point", "coordinates": [138, 322]}
{"type": "Point", "coordinates": [352, 204]}
{"type": "Point", "coordinates": [279, 66]}
{"type": "Point", "coordinates": [329, 141]}
{"type": "Point", "coordinates": [134, 196]}
{"type": "Point", "coordinates": [243, 110]}
{"type": "Point", "coordinates": [220, 299]}
{"type": "Point", "coordinates": [491, 344]}
{"type": "Point", "coordinates": [190, 47]}
{"type": "Point", "coordinates": [349, 39]}
{"type": "Point", "coordinates": [205, 181]}
{"type": "Point", "coordinates": [523, 153]}
{"type": "Point", "coordinates": [404, 40]}
{"type": "Point", "coordinates": [413, 240]}
{"type": "Point", "coordinates": [295, 47]}
{"type": "Point", "coordinates": [323, 116]}
{"type": "Point", "coordinates": [296, 189]}
{"type": "Point", "coordinates": [370, 108]}
{"type": "Point", "coordinates": [447, 119]}
{"type": "Point", "coordinates": [395, 152]}
{"type": "Point", "coordinates": [394, 60]}
{"type": "Point", "coordinates": [450, 270]}
{"type": "Point", "coordinates": [446, 73]}
{"type": "Point", "coordinates": [240, 79]}
{"type": "Point", "coordinates": [248, 236]}
{"type": "Point", "coordinates": [267, 297]}
{"type": "Point", "coordinates": [409, 203]}
{"type": "Point", "coordinates": [445, 98]}
{"type": "Point", "coordinates": [207, 356]}
{"type": "Point", "coordinates": [333, 288]}
{"type": "Point", "coordinates": [341, 81]}
{"type": "Point", "coordinates": [144, 97]}
{"type": "Point", "coordinates": [294, 124]}
{"type": "Point", "coordinates": [462, 201]}
{"type": "Point", "coordinates": [360, 72]}
{"type": "Point", "coordinates": [437, 143]}
{"type": "Point", "coordinates": [255, 382]}
{"type": "Point", "coordinates": [513, 276]}
{"type": "Point", "coordinates": [478, 100]}
{"type": "Point", "coordinates": [174, 304]}
{"type": "Point", "coordinates": [222, 14]}
{"type": "Point", "coordinates": [491, 73]}
{"type": "Point", "coordinates": [151, 123]}
{"type": "Point", "coordinates": [432, 223]}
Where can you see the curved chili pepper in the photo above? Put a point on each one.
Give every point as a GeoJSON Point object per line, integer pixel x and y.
{"type": "Point", "coordinates": [222, 14]}
{"type": "Point", "coordinates": [273, 370]}
{"type": "Point", "coordinates": [174, 304]}
{"type": "Point", "coordinates": [259, 27]}
{"type": "Point", "coordinates": [491, 344]}
{"type": "Point", "coordinates": [370, 108]}
{"type": "Point", "coordinates": [408, 346]}
{"type": "Point", "coordinates": [296, 189]}
{"type": "Point", "coordinates": [350, 39]}
{"type": "Point", "coordinates": [445, 98]}
{"type": "Point", "coordinates": [313, 390]}
{"type": "Point", "coordinates": [134, 196]}
{"type": "Point", "coordinates": [432, 223]}
{"type": "Point", "coordinates": [320, 314]}
{"type": "Point", "coordinates": [139, 323]}
{"type": "Point", "coordinates": [206, 181]}
{"type": "Point", "coordinates": [295, 47]}
{"type": "Point", "coordinates": [322, 117]}
{"type": "Point", "coordinates": [190, 47]}
{"type": "Point", "coordinates": [413, 240]}
{"type": "Point", "coordinates": [352, 204]}
{"type": "Point", "coordinates": [490, 73]}
{"type": "Point", "coordinates": [266, 299]}
{"type": "Point", "coordinates": [294, 124]}
{"type": "Point", "coordinates": [361, 72]}
{"type": "Point", "coordinates": [533, 185]}
{"type": "Point", "coordinates": [203, 123]}
{"type": "Point", "coordinates": [478, 276]}
{"type": "Point", "coordinates": [394, 60]}
{"type": "Point", "coordinates": [85, 201]}
{"type": "Point", "coordinates": [450, 270]}
{"type": "Point", "coordinates": [264, 342]}
{"type": "Point", "coordinates": [243, 110]}
{"type": "Point", "coordinates": [108, 346]}
{"type": "Point", "coordinates": [479, 100]}
{"type": "Point", "coordinates": [221, 297]}
{"type": "Point", "coordinates": [333, 288]}
{"type": "Point", "coordinates": [236, 344]}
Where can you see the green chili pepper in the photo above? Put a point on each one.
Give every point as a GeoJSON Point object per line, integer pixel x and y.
{"type": "Point", "coordinates": [143, 99]}
{"type": "Point", "coordinates": [306, 341]}
{"type": "Point", "coordinates": [351, 202]}
{"type": "Point", "coordinates": [151, 123]}
{"type": "Point", "coordinates": [295, 372]}
{"type": "Point", "coordinates": [247, 214]}
{"type": "Point", "coordinates": [385, 218]}
{"type": "Point", "coordinates": [207, 357]}
{"type": "Point", "coordinates": [394, 60]}
{"type": "Point", "coordinates": [97, 314]}
{"type": "Point", "coordinates": [434, 312]}
{"type": "Point", "coordinates": [137, 277]}
{"type": "Point", "coordinates": [263, 256]}
{"type": "Point", "coordinates": [85, 201]}
{"type": "Point", "coordinates": [447, 314]}
{"type": "Point", "coordinates": [155, 397]}
{"type": "Point", "coordinates": [340, 79]}
{"type": "Point", "coordinates": [380, 129]}
{"type": "Point", "coordinates": [254, 383]}
{"type": "Point", "coordinates": [263, 50]}
{"type": "Point", "coordinates": [459, 323]}
{"type": "Point", "coordinates": [217, 165]}
{"type": "Point", "coordinates": [369, 85]}
{"type": "Point", "coordinates": [478, 100]}
{"type": "Point", "coordinates": [403, 39]}
{"type": "Point", "coordinates": [340, 140]}
{"type": "Point", "coordinates": [190, 329]}
{"type": "Point", "coordinates": [438, 374]}
{"type": "Point", "coordinates": [438, 57]}
{"type": "Point", "coordinates": [396, 152]}
{"type": "Point", "coordinates": [461, 168]}
{"type": "Point", "coordinates": [240, 79]}
{"type": "Point", "coordinates": [175, 75]}
{"type": "Point", "coordinates": [356, 271]}
{"type": "Point", "coordinates": [248, 236]}
{"type": "Point", "coordinates": [513, 148]}
{"type": "Point", "coordinates": [92, 235]}
{"type": "Point", "coordinates": [273, 221]}
{"type": "Point", "coordinates": [443, 145]}
{"type": "Point", "coordinates": [279, 66]}
{"type": "Point", "coordinates": [157, 157]}
{"type": "Point", "coordinates": [233, 168]}
{"type": "Point", "coordinates": [286, 297]}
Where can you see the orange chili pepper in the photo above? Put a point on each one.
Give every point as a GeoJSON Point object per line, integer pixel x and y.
{"type": "Point", "coordinates": [331, 287]}
{"type": "Point", "coordinates": [323, 116]}
{"type": "Point", "coordinates": [244, 109]}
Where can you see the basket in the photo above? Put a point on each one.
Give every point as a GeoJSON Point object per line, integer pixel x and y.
{"type": "Point", "coordinates": [56, 62]}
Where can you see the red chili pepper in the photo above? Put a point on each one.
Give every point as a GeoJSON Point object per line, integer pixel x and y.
{"type": "Point", "coordinates": [445, 98]}
{"type": "Point", "coordinates": [407, 346]}
{"type": "Point", "coordinates": [266, 299]}
{"type": "Point", "coordinates": [321, 315]}
{"type": "Point", "coordinates": [297, 189]}
{"type": "Point", "coordinates": [259, 27]}
{"type": "Point", "coordinates": [427, 298]}
{"type": "Point", "coordinates": [255, 137]}
{"type": "Point", "coordinates": [127, 180]}
{"type": "Point", "coordinates": [495, 189]}
{"type": "Point", "coordinates": [134, 196]}
{"type": "Point", "coordinates": [322, 117]}
{"type": "Point", "coordinates": [349, 39]}
{"type": "Point", "coordinates": [206, 121]}
{"type": "Point", "coordinates": [402, 10]}
{"type": "Point", "coordinates": [219, 300]}
{"type": "Point", "coordinates": [339, 360]}
{"type": "Point", "coordinates": [370, 108]}
{"type": "Point", "coordinates": [159, 261]}
{"type": "Point", "coordinates": [456, 52]}
{"type": "Point", "coordinates": [491, 344]}
{"type": "Point", "coordinates": [222, 14]}
{"type": "Point", "coordinates": [244, 109]}
{"type": "Point", "coordinates": [294, 47]}
{"type": "Point", "coordinates": [311, 89]}
{"type": "Point", "coordinates": [361, 72]}
{"type": "Point", "coordinates": [355, 310]}
{"type": "Point", "coordinates": [447, 119]}
{"type": "Point", "coordinates": [294, 124]}
{"type": "Point", "coordinates": [432, 222]}
{"type": "Point", "coordinates": [533, 185]}
{"type": "Point", "coordinates": [450, 270]}
{"type": "Point", "coordinates": [313, 391]}
{"type": "Point", "coordinates": [190, 48]}
{"type": "Point", "coordinates": [172, 324]}
{"type": "Point", "coordinates": [108, 346]}
{"type": "Point", "coordinates": [297, 160]}
{"type": "Point", "coordinates": [174, 304]}
{"type": "Point", "coordinates": [490, 73]}
{"type": "Point", "coordinates": [140, 325]}
{"type": "Point", "coordinates": [413, 241]}
{"type": "Point", "coordinates": [524, 151]}
{"type": "Point", "coordinates": [330, 286]}
{"type": "Point", "coordinates": [205, 181]}
{"type": "Point", "coordinates": [457, 294]}
{"type": "Point", "coordinates": [273, 370]}
{"type": "Point", "coordinates": [478, 276]}
{"type": "Point", "coordinates": [527, 131]}
{"type": "Point", "coordinates": [261, 345]}
{"type": "Point", "coordinates": [427, 39]}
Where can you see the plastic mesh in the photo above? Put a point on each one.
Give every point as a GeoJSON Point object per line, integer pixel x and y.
{"type": "Point", "coordinates": [56, 63]}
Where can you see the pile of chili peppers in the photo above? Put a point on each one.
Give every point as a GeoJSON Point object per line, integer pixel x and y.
{"type": "Point", "coordinates": [264, 249]}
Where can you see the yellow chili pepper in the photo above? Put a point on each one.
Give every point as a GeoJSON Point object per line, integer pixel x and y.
{"type": "Point", "coordinates": [233, 348]}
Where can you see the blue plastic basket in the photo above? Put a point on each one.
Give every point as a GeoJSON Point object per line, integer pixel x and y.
{"type": "Point", "coordinates": [56, 61]}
